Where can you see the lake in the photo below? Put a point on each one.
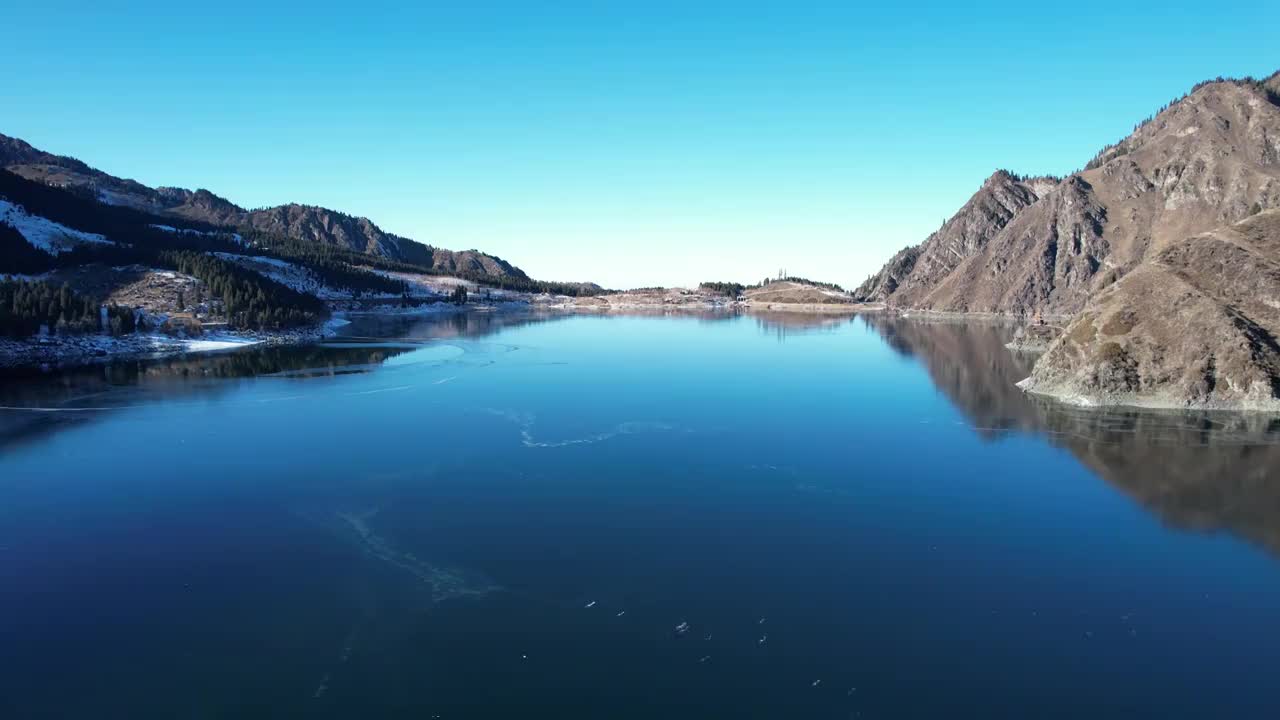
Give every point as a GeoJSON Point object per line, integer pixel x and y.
{"type": "Point", "coordinates": [493, 516]}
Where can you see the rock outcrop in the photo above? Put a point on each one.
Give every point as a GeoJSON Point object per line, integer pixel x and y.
{"type": "Point", "coordinates": [1195, 326]}
{"type": "Point", "coordinates": [1043, 261]}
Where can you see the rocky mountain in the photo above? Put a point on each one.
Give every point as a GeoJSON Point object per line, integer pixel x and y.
{"type": "Point", "coordinates": [329, 227]}
{"type": "Point", "coordinates": [1194, 326]}
{"type": "Point", "coordinates": [1036, 246]}
{"type": "Point", "coordinates": [20, 158]}
{"type": "Point", "coordinates": [301, 222]}
{"type": "Point", "coordinates": [1165, 250]}
{"type": "Point", "coordinates": [912, 274]}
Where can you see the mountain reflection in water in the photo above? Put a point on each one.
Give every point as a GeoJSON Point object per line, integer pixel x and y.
{"type": "Point", "coordinates": [40, 404]}
{"type": "Point", "coordinates": [501, 514]}
{"type": "Point", "coordinates": [1195, 470]}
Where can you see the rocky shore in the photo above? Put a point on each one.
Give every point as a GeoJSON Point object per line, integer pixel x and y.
{"type": "Point", "coordinates": [1195, 327]}
{"type": "Point", "coordinates": [1034, 338]}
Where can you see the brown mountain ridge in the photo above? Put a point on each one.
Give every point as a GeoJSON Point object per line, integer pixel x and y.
{"type": "Point", "coordinates": [1163, 253]}
{"type": "Point", "coordinates": [1025, 246]}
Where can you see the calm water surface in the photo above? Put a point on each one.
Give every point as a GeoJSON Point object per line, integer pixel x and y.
{"type": "Point", "coordinates": [492, 517]}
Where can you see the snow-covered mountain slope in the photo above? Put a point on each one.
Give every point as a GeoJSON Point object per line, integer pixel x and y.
{"type": "Point", "coordinates": [295, 277]}
{"type": "Point", "coordinates": [43, 233]}
{"type": "Point", "coordinates": [185, 231]}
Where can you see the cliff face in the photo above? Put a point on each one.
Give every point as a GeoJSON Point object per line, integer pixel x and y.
{"type": "Point", "coordinates": [1023, 247]}
{"type": "Point", "coordinates": [1044, 260]}
{"type": "Point", "coordinates": [322, 226]}
{"type": "Point", "coordinates": [200, 205]}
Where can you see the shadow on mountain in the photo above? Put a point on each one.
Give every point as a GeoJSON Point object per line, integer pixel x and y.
{"type": "Point", "coordinates": [1196, 470]}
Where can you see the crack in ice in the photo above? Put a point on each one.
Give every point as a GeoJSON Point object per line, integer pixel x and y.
{"type": "Point", "coordinates": [525, 421]}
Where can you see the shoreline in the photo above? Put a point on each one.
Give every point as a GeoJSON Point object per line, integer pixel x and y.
{"type": "Point", "coordinates": [1131, 401]}
{"type": "Point", "coordinates": [973, 316]}
{"type": "Point", "coordinates": [740, 306]}
{"type": "Point", "coordinates": [55, 353]}
{"type": "Point", "coordinates": [49, 354]}
{"type": "Point", "coordinates": [1036, 340]}
{"type": "Point", "coordinates": [832, 308]}
{"type": "Point", "coordinates": [52, 354]}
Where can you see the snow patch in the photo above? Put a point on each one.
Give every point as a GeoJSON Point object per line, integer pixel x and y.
{"type": "Point", "coordinates": [276, 262]}
{"type": "Point", "coordinates": [20, 277]}
{"type": "Point", "coordinates": [333, 323]}
{"type": "Point", "coordinates": [295, 277]}
{"type": "Point", "coordinates": [298, 277]}
{"type": "Point", "coordinates": [110, 197]}
{"type": "Point", "coordinates": [52, 237]}
{"type": "Point", "coordinates": [422, 285]}
{"type": "Point", "coordinates": [217, 345]}
{"type": "Point", "coordinates": [184, 231]}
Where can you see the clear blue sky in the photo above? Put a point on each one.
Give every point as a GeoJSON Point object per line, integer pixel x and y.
{"type": "Point", "coordinates": [629, 143]}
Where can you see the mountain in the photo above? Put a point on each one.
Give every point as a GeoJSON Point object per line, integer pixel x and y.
{"type": "Point", "coordinates": [1194, 326]}
{"type": "Point", "coordinates": [90, 279]}
{"type": "Point", "coordinates": [19, 157]}
{"type": "Point", "coordinates": [915, 272]}
{"type": "Point", "coordinates": [1040, 246]}
{"type": "Point", "coordinates": [1163, 254]}
{"type": "Point", "coordinates": [299, 222]}
{"type": "Point", "coordinates": [330, 227]}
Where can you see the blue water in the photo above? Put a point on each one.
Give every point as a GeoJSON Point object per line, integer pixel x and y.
{"type": "Point", "coordinates": [412, 522]}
